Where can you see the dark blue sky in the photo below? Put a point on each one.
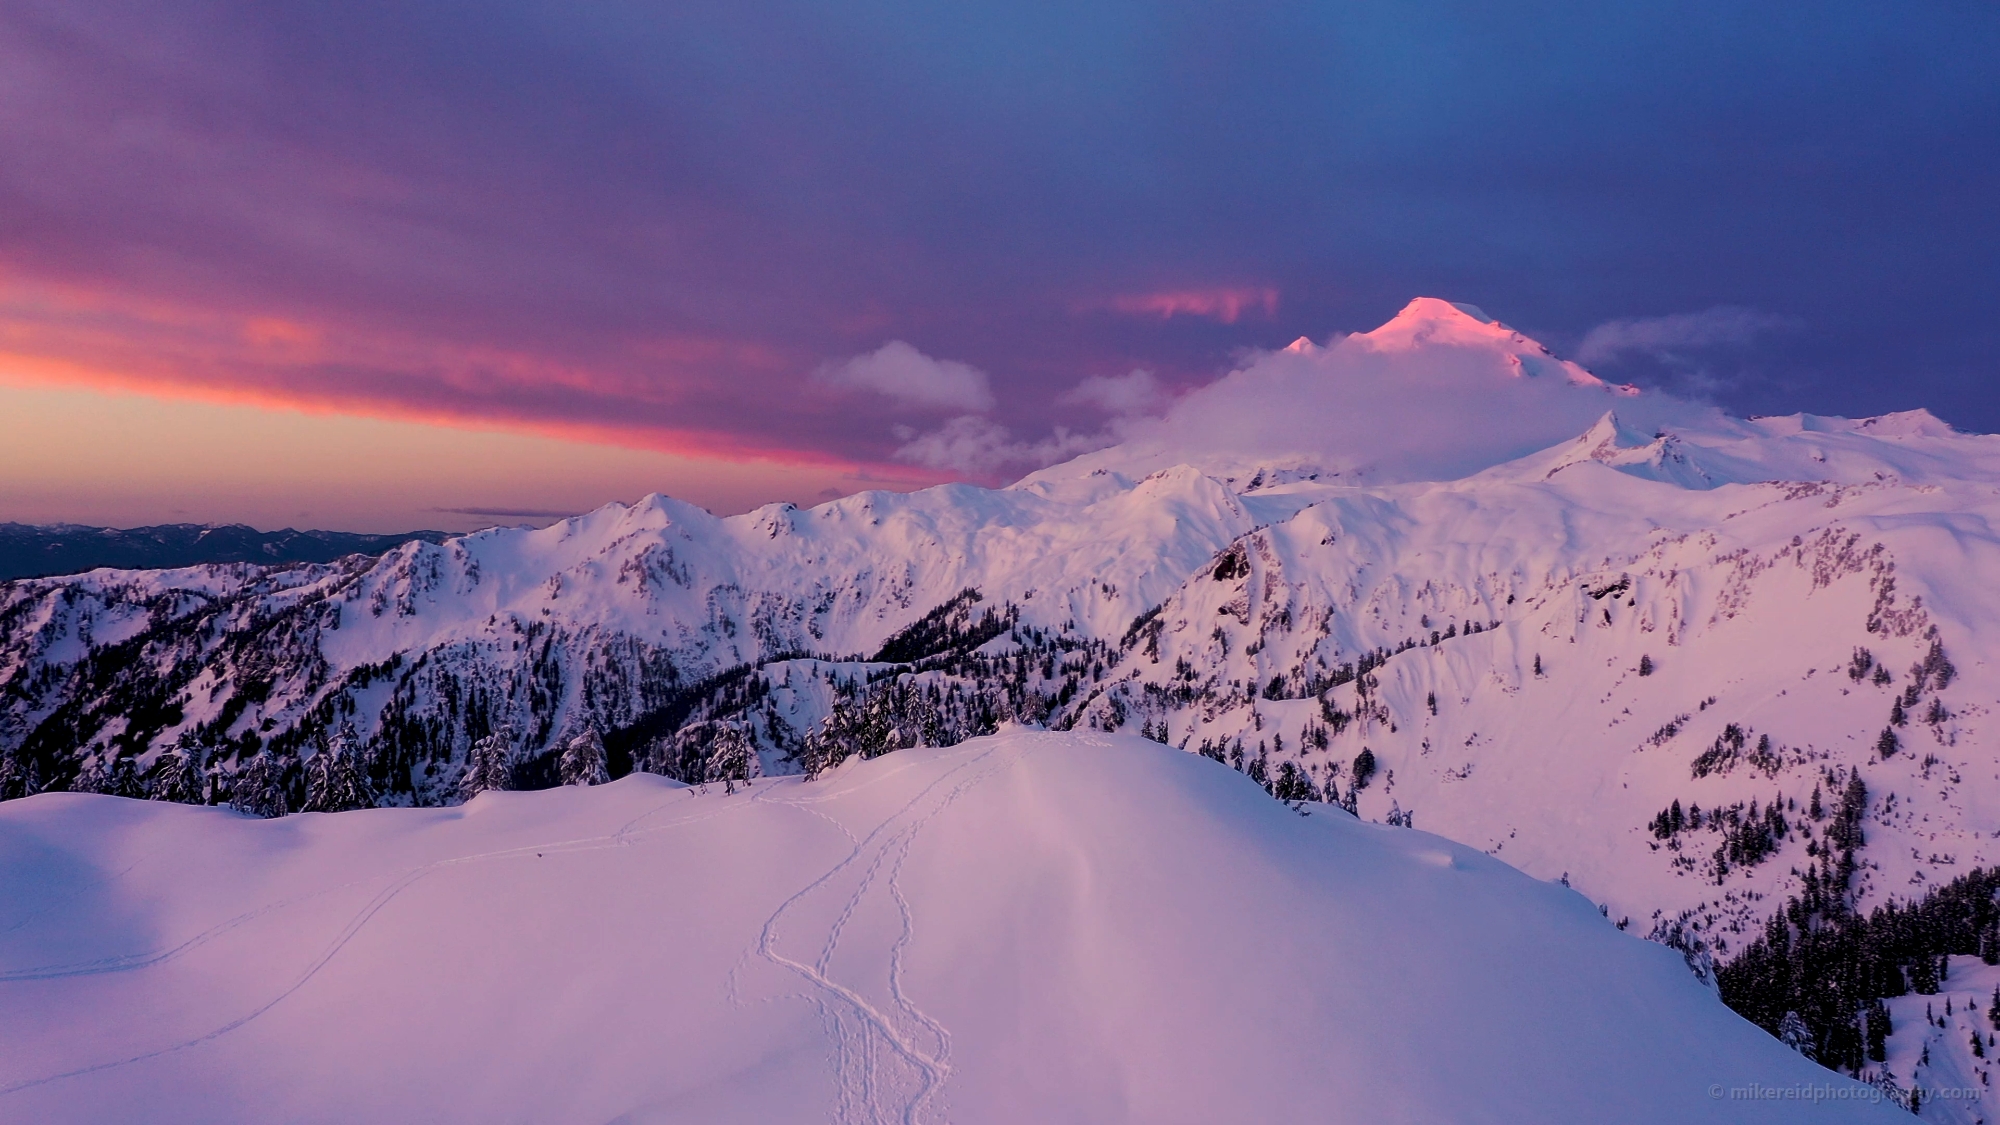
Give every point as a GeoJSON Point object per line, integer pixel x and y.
{"type": "Point", "coordinates": [659, 221]}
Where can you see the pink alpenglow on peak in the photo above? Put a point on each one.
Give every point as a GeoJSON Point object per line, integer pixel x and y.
{"type": "Point", "coordinates": [1440, 391]}
{"type": "Point", "coordinates": [1432, 322]}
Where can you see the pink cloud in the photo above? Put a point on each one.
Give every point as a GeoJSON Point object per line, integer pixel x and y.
{"type": "Point", "coordinates": [665, 392]}
{"type": "Point", "coordinates": [1226, 305]}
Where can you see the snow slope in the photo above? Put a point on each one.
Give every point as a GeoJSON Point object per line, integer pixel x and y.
{"type": "Point", "coordinates": [1538, 738]}
{"type": "Point", "coordinates": [1026, 927]}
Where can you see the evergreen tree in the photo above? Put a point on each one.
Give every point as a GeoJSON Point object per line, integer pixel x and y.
{"type": "Point", "coordinates": [582, 761]}
{"type": "Point", "coordinates": [92, 778]}
{"type": "Point", "coordinates": [1793, 1033]}
{"type": "Point", "coordinates": [488, 765]}
{"type": "Point", "coordinates": [1292, 784]}
{"type": "Point", "coordinates": [124, 779]}
{"type": "Point", "coordinates": [730, 758]}
{"type": "Point", "coordinates": [1645, 665]}
{"type": "Point", "coordinates": [18, 778]}
{"type": "Point", "coordinates": [335, 780]}
{"type": "Point", "coordinates": [1923, 981]}
{"type": "Point", "coordinates": [1859, 666]}
{"type": "Point", "coordinates": [1888, 743]}
{"type": "Point", "coordinates": [259, 788]}
{"type": "Point", "coordinates": [1364, 769]}
{"type": "Point", "coordinates": [176, 777]}
{"type": "Point", "coordinates": [1937, 667]}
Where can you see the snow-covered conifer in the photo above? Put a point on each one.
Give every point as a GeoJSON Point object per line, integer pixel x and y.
{"type": "Point", "coordinates": [582, 761]}
{"type": "Point", "coordinates": [1793, 1033]}
{"type": "Point", "coordinates": [335, 779]}
{"type": "Point", "coordinates": [488, 765]}
{"type": "Point", "coordinates": [93, 777]}
{"type": "Point", "coordinates": [259, 788]}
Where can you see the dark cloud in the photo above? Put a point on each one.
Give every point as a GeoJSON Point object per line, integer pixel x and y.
{"type": "Point", "coordinates": [663, 219]}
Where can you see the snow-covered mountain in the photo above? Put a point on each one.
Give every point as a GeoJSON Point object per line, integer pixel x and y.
{"type": "Point", "coordinates": [1431, 572]}
{"type": "Point", "coordinates": [1029, 927]}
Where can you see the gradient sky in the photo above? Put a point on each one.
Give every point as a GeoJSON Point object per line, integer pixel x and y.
{"type": "Point", "coordinates": [373, 260]}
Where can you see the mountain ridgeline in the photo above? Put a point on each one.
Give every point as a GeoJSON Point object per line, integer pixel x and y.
{"type": "Point", "coordinates": [31, 551]}
{"type": "Point", "coordinates": [1731, 679]}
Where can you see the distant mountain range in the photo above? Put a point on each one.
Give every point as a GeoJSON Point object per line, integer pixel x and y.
{"type": "Point", "coordinates": [1733, 679]}
{"type": "Point", "coordinates": [37, 551]}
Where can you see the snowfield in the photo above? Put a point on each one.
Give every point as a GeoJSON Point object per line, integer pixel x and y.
{"type": "Point", "coordinates": [1025, 927]}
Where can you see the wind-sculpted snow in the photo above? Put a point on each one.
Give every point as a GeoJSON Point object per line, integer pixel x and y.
{"type": "Point", "coordinates": [1029, 927]}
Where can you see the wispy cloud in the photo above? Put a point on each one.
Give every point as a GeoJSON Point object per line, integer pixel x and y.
{"type": "Point", "coordinates": [1227, 305]}
{"type": "Point", "coordinates": [901, 372]}
{"type": "Point", "coordinates": [981, 447]}
{"type": "Point", "coordinates": [977, 446]}
{"type": "Point", "coordinates": [1121, 396]}
{"type": "Point", "coordinates": [1666, 336]}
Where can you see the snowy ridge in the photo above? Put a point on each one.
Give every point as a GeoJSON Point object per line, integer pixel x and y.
{"type": "Point", "coordinates": [1026, 927]}
{"type": "Point", "coordinates": [1543, 639]}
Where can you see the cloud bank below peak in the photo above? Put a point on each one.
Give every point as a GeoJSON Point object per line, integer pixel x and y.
{"type": "Point", "coordinates": [1439, 392]}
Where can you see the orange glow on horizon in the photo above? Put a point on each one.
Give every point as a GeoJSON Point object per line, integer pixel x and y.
{"type": "Point", "coordinates": [72, 336]}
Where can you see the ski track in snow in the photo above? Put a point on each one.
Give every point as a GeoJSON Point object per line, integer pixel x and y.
{"type": "Point", "coordinates": [623, 837]}
{"type": "Point", "coordinates": [893, 849]}
{"type": "Point", "coordinates": [1640, 1046]}
{"type": "Point", "coordinates": [858, 1059]}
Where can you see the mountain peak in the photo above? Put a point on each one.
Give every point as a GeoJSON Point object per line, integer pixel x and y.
{"type": "Point", "coordinates": [1433, 320]}
{"type": "Point", "coordinates": [1439, 309]}
{"type": "Point", "coordinates": [1428, 322]}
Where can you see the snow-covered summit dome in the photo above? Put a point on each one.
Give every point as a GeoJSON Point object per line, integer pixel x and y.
{"type": "Point", "coordinates": [1439, 391]}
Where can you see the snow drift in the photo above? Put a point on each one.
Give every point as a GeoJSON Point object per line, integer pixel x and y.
{"type": "Point", "coordinates": [1027, 927]}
